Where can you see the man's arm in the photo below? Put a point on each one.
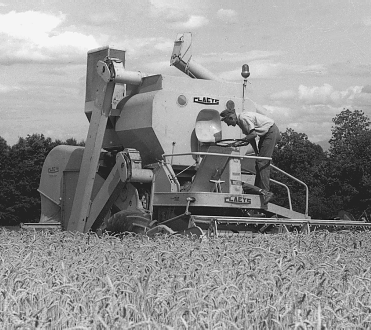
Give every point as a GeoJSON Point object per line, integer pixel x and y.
{"type": "Point", "coordinates": [251, 138]}
{"type": "Point", "coordinates": [254, 146]}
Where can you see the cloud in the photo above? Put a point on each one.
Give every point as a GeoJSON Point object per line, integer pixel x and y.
{"type": "Point", "coordinates": [313, 120]}
{"type": "Point", "coordinates": [179, 14]}
{"type": "Point", "coordinates": [310, 109]}
{"type": "Point", "coordinates": [171, 11]}
{"type": "Point", "coordinates": [145, 46]}
{"type": "Point", "coordinates": [363, 99]}
{"type": "Point", "coordinates": [227, 15]}
{"type": "Point", "coordinates": [164, 45]}
{"type": "Point", "coordinates": [193, 22]}
{"type": "Point", "coordinates": [278, 111]}
{"type": "Point", "coordinates": [158, 67]}
{"type": "Point", "coordinates": [349, 69]}
{"type": "Point", "coordinates": [327, 95]}
{"type": "Point", "coordinates": [7, 89]}
{"type": "Point", "coordinates": [270, 69]}
{"type": "Point", "coordinates": [100, 19]}
{"type": "Point", "coordinates": [34, 37]}
{"type": "Point", "coordinates": [284, 95]}
{"type": "Point", "coordinates": [262, 65]}
{"type": "Point", "coordinates": [174, 8]}
{"type": "Point", "coordinates": [367, 21]}
{"type": "Point", "coordinates": [237, 57]}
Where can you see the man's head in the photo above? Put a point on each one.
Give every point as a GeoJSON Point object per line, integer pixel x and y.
{"type": "Point", "coordinates": [229, 117]}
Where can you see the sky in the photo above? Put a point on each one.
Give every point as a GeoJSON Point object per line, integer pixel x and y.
{"type": "Point", "coordinates": [309, 59]}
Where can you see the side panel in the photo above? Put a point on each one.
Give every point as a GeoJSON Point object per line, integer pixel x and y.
{"type": "Point", "coordinates": [60, 159]}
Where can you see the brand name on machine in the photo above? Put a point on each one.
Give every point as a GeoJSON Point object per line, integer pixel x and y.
{"type": "Point", "coordinates": [53, 169]}
{"type": "Point", "coordinates": [205, 100]}
{"type": "Point", "coordinates": [237, 199]}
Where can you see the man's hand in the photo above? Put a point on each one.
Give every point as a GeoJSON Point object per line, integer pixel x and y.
{"type": "Point", "coordinates": [254, 146]}
{"type": "Point", "coordinates": [251, 136]}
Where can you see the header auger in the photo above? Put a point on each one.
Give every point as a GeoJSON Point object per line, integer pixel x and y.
{"type": "Point", "coordinates": [158, 158]}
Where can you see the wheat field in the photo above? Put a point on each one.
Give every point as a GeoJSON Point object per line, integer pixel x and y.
{"type": "Point", "coordinates": [66, 280]}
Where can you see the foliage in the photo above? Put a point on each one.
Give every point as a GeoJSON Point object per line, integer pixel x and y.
{"type": "Point", "coordinates": [21, 167]}
{"type": "Point", "coordinates": [299, 157]}
{"type": "Point", "coordinates": [337, 180]}
{"type": "Point", "coordinates": [349, 166]}
{"type": "Point", "coordinates": [4, 175]}
{"type": "Point", "coordinates": [78, 281]}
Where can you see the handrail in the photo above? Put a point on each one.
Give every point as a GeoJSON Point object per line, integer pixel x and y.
{"type": "Point", "coordinates": [299, 181]}
{"type": "Point", "coordinates": [288, 191]}
{"type": "Point", "coordinates": [197, 153]}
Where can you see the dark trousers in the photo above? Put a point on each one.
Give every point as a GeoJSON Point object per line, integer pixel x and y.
{"type": "Point", "coordinates": [266, 146]}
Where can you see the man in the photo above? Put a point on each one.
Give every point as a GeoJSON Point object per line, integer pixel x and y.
{"type": "Point", "coordinates": [252, 125]}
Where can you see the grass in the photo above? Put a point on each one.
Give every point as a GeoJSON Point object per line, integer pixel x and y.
{"type": "Point", "coordinates": [79, 281]}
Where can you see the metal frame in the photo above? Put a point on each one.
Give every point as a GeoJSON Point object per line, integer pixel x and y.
{"type": "Point", "coordinates": [252, 157]}
{"type": "Point", "coordinates": [299, 181]}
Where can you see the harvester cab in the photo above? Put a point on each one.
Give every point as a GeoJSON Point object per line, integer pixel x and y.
{"type": "Point", "coordinates": [157, 157]}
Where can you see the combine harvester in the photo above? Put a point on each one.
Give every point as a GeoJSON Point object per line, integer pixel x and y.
{"type": "Point", "coordinates": [158, 159]}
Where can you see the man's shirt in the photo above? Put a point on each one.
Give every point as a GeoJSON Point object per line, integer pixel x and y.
{"type": "Point", "coordinates": [248, 121]}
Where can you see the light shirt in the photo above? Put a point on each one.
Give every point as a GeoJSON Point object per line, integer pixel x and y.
{"type": "Point", "coordinates": [248, 121]}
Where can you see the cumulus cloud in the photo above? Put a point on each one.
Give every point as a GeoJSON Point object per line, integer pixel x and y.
{"type": "Point", "coordinates": [34, 37]}
{"type": "Point", "coordinates": [179, 14]}
{"type": "Point", "coordinates": [277, 111]}
{"type": "Point", "coordinates": [313, 120]}
{"type": "Point", "coordinates": [226, 15]}
{"type": "Point", "coordinates": [327, 95]}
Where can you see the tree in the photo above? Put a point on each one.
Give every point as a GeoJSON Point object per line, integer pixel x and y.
{"type": "Point", "coordinates": [4, 177]}
{"type": "Point", "coordinates": [21, 201]}
{"type": "Point", "coordinates": [349, 166]}
{"type": "Point", "coordinates": [73, 142]}
{"type": "Point", "coordinates": [20, 170]}
{"type": "Point", "coordinates": [348, 125]}
{"type": "Point", "coordinates": [296, 155]}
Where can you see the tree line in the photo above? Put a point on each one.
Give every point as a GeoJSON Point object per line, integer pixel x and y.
{"type": "Point", "coordinates": [20, 170]}
{"type": "Point", "coordinates": [338, 179]}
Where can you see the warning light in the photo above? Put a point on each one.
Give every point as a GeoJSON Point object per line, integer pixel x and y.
{"type": "Point", "coordinates": [245, 71]}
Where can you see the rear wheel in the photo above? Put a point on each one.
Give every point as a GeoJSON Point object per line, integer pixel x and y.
{"type": "Point", "coordinates": [128, 221]}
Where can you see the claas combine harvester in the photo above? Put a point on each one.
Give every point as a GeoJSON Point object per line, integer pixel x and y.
{"type": "Point", "coordinates": [157, 158]}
